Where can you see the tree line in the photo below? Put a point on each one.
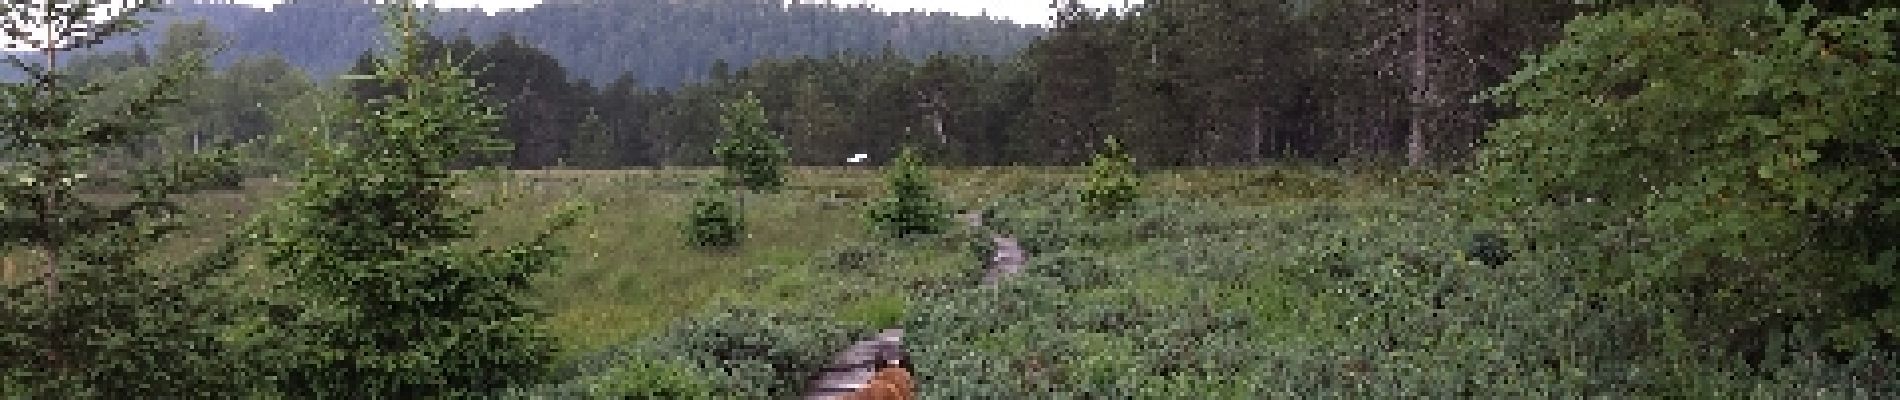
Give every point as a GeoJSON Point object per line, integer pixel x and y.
{"type": "Point", "coordinates": [664, 43]}
{"type": "Point", "coordinates": [1181, 82]}
{"type": "Point", "coordinates": [1184, 83]}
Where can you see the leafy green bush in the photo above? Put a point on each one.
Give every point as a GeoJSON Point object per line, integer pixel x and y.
{"type": "Point", "coordinates": [1755, 177]}
{"type": "Point", "coordinates": [124, 333]}
{"type": "Point", "coordinates": [1111, 186]}
{"type": "Point", "coordinates": [760, 353]}
{"type": "Point", "coordinates": [1030, 337]}
{"type": "Point", "coordinates": [1075, 270]}
{"type": "Point", "coordinates": [853, 258]}
{"type": "Point", "coordinates": [1328, 299]}
{"type": "Point", "coordinates": [912, 207]}
{"type": "Point", "coordinates": [642, 377]}
{"type": "Point", "coordinates": [715, 219]}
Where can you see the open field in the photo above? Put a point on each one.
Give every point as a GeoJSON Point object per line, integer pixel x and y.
{"type": "Point", "coordinates": [1233, 283]}
{"type": "Point", "coordinates": [629, 273]}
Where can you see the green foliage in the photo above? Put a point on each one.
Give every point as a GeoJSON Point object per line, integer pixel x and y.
{"type": "Point", "coordinates": [637, 377]}
{"type": "Point", "coordinates": [855, 258]}
{"type": "Point", "coordinates": [912, 206]}
{"type": "Point", "coordinates": [715, 219]}
{"type": "Point", "coordinates": [1755, 176]}
{"type": "Point", "coordinates": [1325, 298]}
{"type": "Point", "coordinates": [653, 380]}
{"type": "Point", "coordinates": [754, 352]}
{"type": "Point", "coordinates": [124, 332]}
{"type": "Point", "coordinates": [593, 146]}
{"type": "Point", "coordinates": [753, 156]}
{"type": "Point", "coordinates": [1111, 186]}
{"type": "Point", "coordinates": [885, 310]}
{"type": "Point", "coordinates": [393, 298]}
{"type": "Point", "coordinates": [102, 320]}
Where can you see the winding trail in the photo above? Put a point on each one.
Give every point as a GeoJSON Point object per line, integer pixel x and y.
{"type": "Point", "coordinates": [853, 368]}
{"type": "Point", "coordinates": [1007, 258]}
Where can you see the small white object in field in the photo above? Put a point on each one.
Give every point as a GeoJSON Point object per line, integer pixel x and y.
{"type": "Point", "coordinates": [856, 158]}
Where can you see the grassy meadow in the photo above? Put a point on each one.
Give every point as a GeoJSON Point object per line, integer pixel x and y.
{"type": "Point", "coordinates": [1221, 283]}
{"type": "Point", "coordinates": [629, 274]}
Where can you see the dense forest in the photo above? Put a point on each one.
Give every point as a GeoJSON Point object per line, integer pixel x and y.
{"type": "Point", "coordinates": [1215, 83]}
{"type": "Point", "coordinates": [1182, 83]}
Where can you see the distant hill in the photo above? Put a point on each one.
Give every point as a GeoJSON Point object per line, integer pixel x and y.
{"type": "Point", "coordinates": [662, 43]}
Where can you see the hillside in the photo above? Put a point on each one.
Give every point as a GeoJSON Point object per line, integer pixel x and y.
{"type": "Point", "coordinates": [664, 43]}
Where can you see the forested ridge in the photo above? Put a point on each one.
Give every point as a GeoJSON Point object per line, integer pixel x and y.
{"type": "Point", "coordinates": [664, 43]}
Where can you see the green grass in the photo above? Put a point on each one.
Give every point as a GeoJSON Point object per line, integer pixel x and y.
{"type": "Point", "coordinates": [629, 274]}
{"type": "Point", "coordinates": [1223, 282]}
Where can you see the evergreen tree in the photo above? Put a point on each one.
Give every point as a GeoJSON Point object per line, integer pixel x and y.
{"type": "Point", "coordinates": [102, 320]}
{"type": "Point", "coordinates": [912, 207]}
{"type": "Point", "coordinates": [715, 219]}
{"type": "Point", "coordinates": [1111, 181]}
{"type": "Point", "coordinates": [395, 298]}
{"type": "Point", "coordinates": [593, 146]}
{"type": "Point", "coordinates": [753, 156]}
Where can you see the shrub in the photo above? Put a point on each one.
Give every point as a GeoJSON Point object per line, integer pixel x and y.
{"type": "Point", "coordinates": [640, 378]}
{"type": "Point", "coordinates": [760, 353]}
{"type": "Point", "coordinates": [1111, 186]}
{"type": "Point", "coordinates": [653, 379]}
{"type": "Point", "coordinates": [715, 219]}
{"type": "Point", "coordinates": [912, 206]}
{"type": "Point", "coordinates": [853, 258]}
{"type": "Point", "coordinates": [1755, 176]}
{"type": "Point", "coordinates": [1031, 337]}
{"type": "Point", "coordinates": [633, 370]}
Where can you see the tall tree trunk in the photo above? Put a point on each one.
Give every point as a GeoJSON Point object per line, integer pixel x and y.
{"type": "Point", "coordinates": [938, 108]}
{"type": "Point", "coordinates": [1423, 91]}
{"type": "Point", "coordinates": [48, 206]}
{"type": "Point", "coordinates": [1258, 134]}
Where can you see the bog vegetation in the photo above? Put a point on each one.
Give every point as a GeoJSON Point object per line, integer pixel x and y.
{"type": "Point", "coordinates": [1672, 199]}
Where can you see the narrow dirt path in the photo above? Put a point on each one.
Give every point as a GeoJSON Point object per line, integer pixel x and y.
{"type": "Point", "coordinates": [853, 368]}
{"type": "Point", "coordinates": [1006, 261]}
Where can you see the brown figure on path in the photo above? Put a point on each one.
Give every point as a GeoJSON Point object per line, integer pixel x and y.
{"type": "Point", "coordinates": [892, 382]}
{"type": "Point", "coordinates": [876, 368]}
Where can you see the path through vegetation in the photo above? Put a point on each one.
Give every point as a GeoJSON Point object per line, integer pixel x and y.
{"type": "Point", "coordinates": [854, 367]}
